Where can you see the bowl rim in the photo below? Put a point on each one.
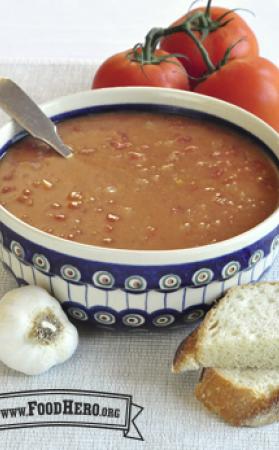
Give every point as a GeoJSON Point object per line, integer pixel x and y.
{"type": "Point", "coordinates": [158, 96]}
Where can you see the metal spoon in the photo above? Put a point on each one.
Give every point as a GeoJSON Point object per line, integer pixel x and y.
{"type": "Point", "coordinates": [17, 104]}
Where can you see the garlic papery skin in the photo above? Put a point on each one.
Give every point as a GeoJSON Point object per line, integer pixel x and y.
{"type": "Point", "coordinates": [35, 333]}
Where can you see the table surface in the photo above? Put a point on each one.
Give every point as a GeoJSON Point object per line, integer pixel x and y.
{"type": "Point", "coordinates": [138, 365]}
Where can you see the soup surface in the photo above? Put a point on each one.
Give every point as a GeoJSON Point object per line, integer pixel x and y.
{"type": "Point", "coordinates": [141, 180]}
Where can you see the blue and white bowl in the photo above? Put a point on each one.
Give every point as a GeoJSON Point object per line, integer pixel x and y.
{"type": "Point", "coordinates": [131, 289]}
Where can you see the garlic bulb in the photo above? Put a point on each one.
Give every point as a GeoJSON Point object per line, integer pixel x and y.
{"type": "Point", "coordinates": [35, 333]}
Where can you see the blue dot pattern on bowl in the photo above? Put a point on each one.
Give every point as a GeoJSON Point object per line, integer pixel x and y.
{"type": "Point", "coordinates": [202, 276]}
{"type": "Point", "coordinates": [133, 277]}
{"type": "Point", "coordinates": [103, 279]}
{"type": "Point", "coordinates": [114, 296]}
{"type": "Point", "coordinates": [41, 262]}
{"type": "Point", "coordinates": [170, 282]}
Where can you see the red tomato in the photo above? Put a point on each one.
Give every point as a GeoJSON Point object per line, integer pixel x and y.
{"type": "Point", "coordinates": [119, 70]}
{"type": "Point", "coordinates": [216, 43]}
{"type": "Point", "coordinates": [251, 83]}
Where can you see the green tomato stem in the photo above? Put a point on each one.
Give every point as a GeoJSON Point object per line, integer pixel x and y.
{"type": "Point", "coordinates": [200, 22]}
{"type": "Point", "coordinates": [208, 6]}
{"type": "Point", "coordinates": [151, 38]}
{"type": "Point", "coordinates": [185, 27]}
{"type": "Point", "coordinates": [210, 66]}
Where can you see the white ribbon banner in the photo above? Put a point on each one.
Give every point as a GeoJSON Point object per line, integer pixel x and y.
{"type": "Point", "coordinates": [70, 407]}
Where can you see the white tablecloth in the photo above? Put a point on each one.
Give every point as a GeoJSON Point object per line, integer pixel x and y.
{"type": "Point", "coordinates": [138, 365]}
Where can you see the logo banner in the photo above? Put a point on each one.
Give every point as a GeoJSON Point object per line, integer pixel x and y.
{"type": "Point", "coordinates": [70, 407]}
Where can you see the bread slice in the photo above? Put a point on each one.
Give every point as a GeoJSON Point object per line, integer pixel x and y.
{"type": "Point", "coordinates": [241, 331]}
{"type": "Point", "coordinates": [241, 397]}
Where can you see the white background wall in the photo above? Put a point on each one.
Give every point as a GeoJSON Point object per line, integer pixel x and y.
{"type": "Point", "coordinates": [94, 29]}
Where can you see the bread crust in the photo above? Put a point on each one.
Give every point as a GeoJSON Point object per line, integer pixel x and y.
{"type": "Point", "coordinates": [187, 353]}
{"type": "Point", "coordinates": [236, 404]}
{"type": "Point", "coordinates": [185, 356]}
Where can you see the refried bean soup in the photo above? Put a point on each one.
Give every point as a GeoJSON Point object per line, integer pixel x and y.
{"type": "Point", "coordinates": [141, 180]}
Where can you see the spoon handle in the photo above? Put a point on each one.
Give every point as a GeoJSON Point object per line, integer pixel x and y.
{"type": "Point", "coordinates": [17, 104]}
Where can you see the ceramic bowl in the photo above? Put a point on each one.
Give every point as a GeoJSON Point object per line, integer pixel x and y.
{"type": "Point", "coordinates": [129, 289]}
